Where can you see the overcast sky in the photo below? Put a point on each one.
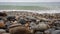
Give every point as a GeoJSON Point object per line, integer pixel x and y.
{"type": "Point", "coordinates": [29, 0]}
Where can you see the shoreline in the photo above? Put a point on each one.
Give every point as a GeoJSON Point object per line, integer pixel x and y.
{"type": "Point", "coordinates": [34, 11]}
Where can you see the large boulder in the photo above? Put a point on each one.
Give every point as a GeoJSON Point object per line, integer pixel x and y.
{"type": "Point", "coordinates": [19, 30]}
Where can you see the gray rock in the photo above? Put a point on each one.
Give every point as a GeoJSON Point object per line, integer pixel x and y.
{"type": "Point", "coordinates": [32, 25]}
{"type": "Point", "coordinates": [2, 31]}
{"type": "Point", "coordinates": [39, 32]}
{"type": "Point", "coordinates": [57, 28]}
{"type": "Point", "coordinates": [42, 26]}
{"type": "Point", "coordinates": [56, 32]}
{"type": "Point", "coordinates": [49, 31]}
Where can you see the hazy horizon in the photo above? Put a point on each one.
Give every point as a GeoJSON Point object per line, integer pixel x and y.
{"type": "Point", "coordinates": [29, 0]}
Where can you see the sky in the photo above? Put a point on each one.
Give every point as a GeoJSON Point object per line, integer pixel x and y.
{"type": "Point", "coordinates": [29, 0]}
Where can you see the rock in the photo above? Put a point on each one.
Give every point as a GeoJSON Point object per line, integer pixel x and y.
{"type": "Point", "coordinates": [38, 32]}
{"type": "Point", "coordinates": [42, 26]}
{"type": "Point", "coordinates": [2, 31]}
{"type": "Point", "coordinates": [56, 32]}
{"type": "Point", "coordinates": [6, 33]}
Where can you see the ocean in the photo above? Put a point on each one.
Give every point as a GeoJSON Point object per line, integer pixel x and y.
{"type": "Point", "coordinates": [29, 5]}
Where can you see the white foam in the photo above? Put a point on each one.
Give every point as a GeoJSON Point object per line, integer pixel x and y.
{"type": "Point", "coordinates": [39, 11]}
